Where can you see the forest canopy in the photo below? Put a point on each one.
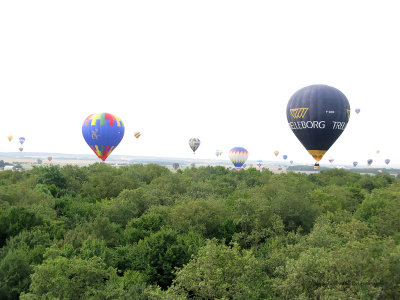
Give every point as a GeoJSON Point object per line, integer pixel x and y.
{"type": "Point", "coordinates": [145, 232]}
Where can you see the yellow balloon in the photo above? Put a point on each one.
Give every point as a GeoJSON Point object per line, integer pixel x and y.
{"type": "Point", "coordinates": [10, 137]}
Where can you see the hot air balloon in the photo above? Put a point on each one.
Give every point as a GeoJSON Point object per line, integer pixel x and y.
{"type": "Point", "coordinates": [137, 134]}
{"type": "Point", "coordinates": [331, 160]}
{"type": "Point", "coordinates": [10, 137]}
{"type": "Point", "coordinates": [369, 161]}
{"type": "Point", "coordinates": [291, 162]}
{"type": "Point", "coordinates": [317, 115]}
{"type": "Point", "coordinates": [380, 171]}
{"type": "Point", "coordinates": [50, 158]}
{"type": "Point", "coordinates": [21, 140]}
{"type": "Point", "coordinates": [175, 166]}
{"type": "Point", "coordinates": [259, 163]}
{"type": "Point", "coordinates": [238, 156]}
{"type": "Point", "coordinates": [355, 163]}
{"type": "Point", "coordinates": [387, 161]}
{"type": "Point", "coordinates": [276, 153]}
{"type": "Point", "coordinates": [357, 110]}
{"type": "Point", "coordinates": [194, 143]}
{"type": "Point", "coordinates": [103, 132]}
{"type": "Point", "coordinates": [21, 148]}
{"type": "Point", "coordinates": [378, 151]}
{"type": "Point", "coordinates": [284, 156]}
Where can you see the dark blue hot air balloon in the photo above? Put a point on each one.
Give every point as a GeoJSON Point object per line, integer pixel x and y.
{"type": "Point", "coordinates": [284, 156]}
{"type": "Point", "coordinates": [355, 163]}
{"type": "Point", "coordinates": [318, 115]}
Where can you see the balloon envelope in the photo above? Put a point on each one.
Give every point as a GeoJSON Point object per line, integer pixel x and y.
{"type": "Point", "coordinates": [284, 156]}
{"type": "Point", "coordinates": [369, 161]}
{"type": "Point", "coordinates": [387, 161]}
{"type": "Point", "coordinates": [21, 140]}
{"type": "Point", "coordinates": [318, 115]}
{"type": "Point", "coordinates": [21, 148]}
{"type": "Point", "coordinates": [10, 137]}
{"type": "Point", "coordinates": [291, 162]}
{"type": "Point", "coordinates": [238, 156]}
{"type": "Point", "coordinates": [175, 166]}
{"type": "Point", "coordinates": [331, 160]}
{"type": "Point", "coordinates": [50, 158]}
{"type": "Point", "coordinates": [137, 134]}
{"type": "Point", "coordinates": [357, 110]}
{"type": "Point", "coordinates": [103, 132]}
{"type": "Point", "coordinates": [194, 143]}
{"type": "Point", "coordinates": [276, 153]}
{"type": "Point", "coordinates": [355, 163]}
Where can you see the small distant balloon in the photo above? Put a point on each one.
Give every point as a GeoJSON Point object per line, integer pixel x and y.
{"type": "Point", "coordinates": [175, 166]}
{"type": "Point", "coordinates": [331, 160]}
{"type": "Point", "coordinates": [276, 153]}
{"type": "Point", "coordinates": [21, 148]}
{"type": "Point", "coordinates": [355, 163]}
{"type": "Point", "coordinates": [380, 171]}
{"type": "Point", "coordinates": [50, 158]}
{"type": "Point", "coordinates": [10, 137]}
{"type": "Point", "coordinates": [357, 110]}
{"type": "Point", "coordinates": [21, 140]}
{"type": "Point", "coordinates": [369, 162]}
{"type": "Point", "coordinates": [284, 156]}
{"type": "Point", "coordinates": [137, 134]}
{"type": "Point", "coordinates": [378, 151]}
{"type": "Point", "coordinates": [291, 162]}
{"type": "Point", "coordinates": [194, 143]}
{"type": "Point", "coordinates": [259, 163]}
{"type": "Point", "coordinates": [387, 161]}
{"type": "Point", "coordinates": [238, 156]}
{"type": "Point", "coordinates": [103, 132]}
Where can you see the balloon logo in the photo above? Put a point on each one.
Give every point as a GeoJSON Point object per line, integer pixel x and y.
{"type": "Point", "coordinates": [21, 140]}
{"type": "Point", "coordinates": [10, 137]}
{"type": "Point", "coordinates": [318, 115]}
{"type": "Point", "coordinates": [103, 132]}
{"type": "Point", "coordinates": [355, 163]}
{"type": "Point", "coordinates": [194, 143]}
{"type": "Point", "coordinates": [284, 156]}
{"type": "Point", "coordinates": [276, 153]}
{"type": "Point", "coordinates": [238, 156]}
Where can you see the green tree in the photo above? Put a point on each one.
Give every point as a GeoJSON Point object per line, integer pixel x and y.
{"type": "Point", "coordinates": [222, 272]}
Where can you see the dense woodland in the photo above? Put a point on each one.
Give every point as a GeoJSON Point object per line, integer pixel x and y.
{"type": "Point", "coordinates": [145, 232]}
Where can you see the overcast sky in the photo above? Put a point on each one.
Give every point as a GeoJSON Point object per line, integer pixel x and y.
{"type": "Point", "coordinates": [221, 71]}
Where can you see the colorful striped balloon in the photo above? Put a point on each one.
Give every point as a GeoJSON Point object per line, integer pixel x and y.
{"type": "Point", "coordinates": [103, 132]}
{"type": "Point", "coordinates": [238, 156]}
